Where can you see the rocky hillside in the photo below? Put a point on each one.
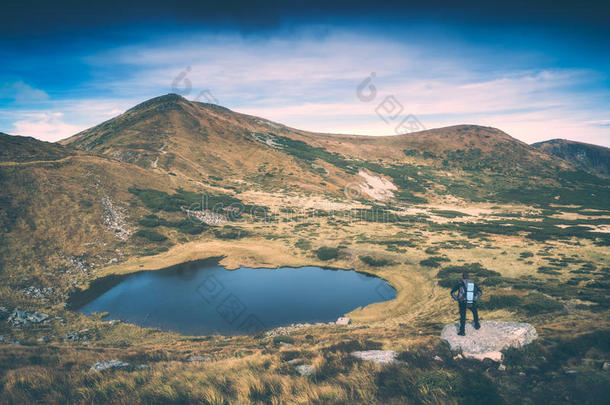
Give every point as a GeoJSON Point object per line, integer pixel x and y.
{"type": "Point", "coordinates": [590, 158]}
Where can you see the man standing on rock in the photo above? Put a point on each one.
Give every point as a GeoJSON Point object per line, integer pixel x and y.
{"type": "Point", "coordinates": [466, 293]}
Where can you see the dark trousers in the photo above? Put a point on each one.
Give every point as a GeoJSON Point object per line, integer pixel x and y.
{"type": "Point", "coordinates": [473, 309]}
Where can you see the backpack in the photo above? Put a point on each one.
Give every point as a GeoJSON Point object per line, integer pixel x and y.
{"type": "Point", "coordinates": [467, 291]}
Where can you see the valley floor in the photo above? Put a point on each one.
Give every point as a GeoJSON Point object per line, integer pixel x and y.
{"type": "Point", "coordinates": [558, 284]}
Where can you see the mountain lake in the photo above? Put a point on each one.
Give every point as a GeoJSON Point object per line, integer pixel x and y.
{"type": "Point", "coordinates": [204, 298]}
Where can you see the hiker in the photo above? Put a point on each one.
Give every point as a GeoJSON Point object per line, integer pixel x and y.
{"type": "Point", "coordinates": [466, 293]}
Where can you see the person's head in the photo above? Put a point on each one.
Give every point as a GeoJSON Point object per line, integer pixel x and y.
{"type": "Point", "coordinates": [465, 275]}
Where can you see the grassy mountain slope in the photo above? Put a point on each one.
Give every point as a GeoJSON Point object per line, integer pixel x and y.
{"type": "Point", "coordinates": [590, 158]}
{"type": "Point", "coordinates": [204, 142]}
{"type": "Point", "coordinates": [25, 149]}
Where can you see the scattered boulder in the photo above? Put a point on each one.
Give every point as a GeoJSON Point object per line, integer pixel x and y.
{"type": "Point", "coordinates": [606, 366]}
{"type": "Point", "coordinates": [195, 359]}
{"type": "Point", "coordinates": [376, 356]}
{"type": "Point", "coordinates": [36, 292]}
{"type": "Point", "coordinates": [502, 367]}
{"type": "Point", "coordinates": [343, 321]}
{"type": "Point", "coordinates": [305, 369]}
{"type": "Point", "coordinates": [110, 364]}
{"type": "Point", "coordinates": [287, 330]}
{"type": "Point", "coordinates": [80, 336]}
{"type": "Point", "coordinates": [114, 219]}
{"type": "Point", "coordinates": [21, 317]}
{"type": "Point", "coordinates": [490, 339]}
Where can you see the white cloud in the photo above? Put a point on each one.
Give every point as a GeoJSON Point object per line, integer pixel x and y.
{"type": "Point", "coordinates": [48, 126]}
{"type": "Point", "coordinates": [308, 81]}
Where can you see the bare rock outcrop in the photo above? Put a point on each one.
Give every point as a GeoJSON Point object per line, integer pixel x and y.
{"type": "Point", "coordinates": [20, 317]}
{"type": "Point", "coordinates": [490, 339]}
{"type": "Point", "coordinates": [376, 356]}
{"type": "Point", "coordinates": [108, 365]}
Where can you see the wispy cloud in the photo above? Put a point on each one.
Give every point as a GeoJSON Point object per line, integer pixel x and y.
{"type": "Point", "coordinates": [47, 126]}
{"type": "Point", "coordinates": [308, 80]}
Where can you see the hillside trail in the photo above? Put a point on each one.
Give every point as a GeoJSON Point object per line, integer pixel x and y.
{"type": "Point", "coordinates": [35, 162]}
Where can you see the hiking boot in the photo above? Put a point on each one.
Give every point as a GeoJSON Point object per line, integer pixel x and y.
{"type": "Point", "coordinates": [462, 333]}
{"type": "Point", "coordinates": [477, 326]}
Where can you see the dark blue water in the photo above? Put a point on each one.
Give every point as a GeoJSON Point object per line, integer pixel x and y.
{"type": "Point", "coordinates": [203, 298]}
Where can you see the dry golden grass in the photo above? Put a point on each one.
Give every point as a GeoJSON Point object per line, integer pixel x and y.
{"type": "Point", "coordinates": [248, 369]}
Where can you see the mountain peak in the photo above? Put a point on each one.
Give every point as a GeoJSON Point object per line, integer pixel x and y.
{"type": "Point", "coordinates": [167, 99]}
{"type": "Point", "coordinates": [591, 158]}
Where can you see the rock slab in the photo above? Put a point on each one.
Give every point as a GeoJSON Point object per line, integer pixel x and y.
{"type": "Point", "coordinates": [107, 365]}
{"type": "Point", "coordinates": [376, 356]}
{"type": "Point", "coordinates": [490, 339]}
{"type": "Point", "coordinates": [343, 321]}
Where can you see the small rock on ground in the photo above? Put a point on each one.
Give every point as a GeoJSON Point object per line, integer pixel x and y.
{"type": "Point", "coordinates": [305, 369]}
{"type": "Point", "coordinates": [110, 364]}
{"type": "Point", "coordinates": [376, 356]}
{"type": "Point", "coordinates": [490, 339]}
{"type": "Point", "coordinates": [194, 358]}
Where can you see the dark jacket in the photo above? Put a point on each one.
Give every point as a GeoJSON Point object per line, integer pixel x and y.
{"type": "Point", "coordinates": [459, 291]}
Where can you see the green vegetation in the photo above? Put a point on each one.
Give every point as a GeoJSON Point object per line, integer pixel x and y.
{"type": "Point", "coordinates": [371, 261]}
{"type": "Point", "coordinates": [576, 188]}
{"type": "Point", "coordinates": [532, 303]}
{"type": "Point", "coordinates": [283, 339]}
{"type": "Point", "coordinates": [327, 253]}
{"type": "Point", "coordinates": [410, 152]}
{"type": "Point", "coordinates": [150, 235]}
{"type": "Point", "coordinates": [303, 244]}
{"type": "Point", "coordinates": [230, 232]}
{"type": "Point", "coordinates": [504, 301]}
{"type": "Point", "coordinates": [448, 276]}
{"type": "Point", "coordinates": [449, 213]}
{"type": "Point", "coordinates": [232, 207]}
{"type": "Point", "coordinates": [536, 303]}
{"type": "Point", "coordinates": [189, 226]}
{"type": "Point", "coordinates": [433, 261]}
{"type": "Point", "coordinates": [303, 150]}
{"type": "Point", "coordinates": [544, 230]}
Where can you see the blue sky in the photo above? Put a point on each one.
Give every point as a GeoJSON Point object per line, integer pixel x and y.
{"type": "Point", "coordinates": [535, 75]}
